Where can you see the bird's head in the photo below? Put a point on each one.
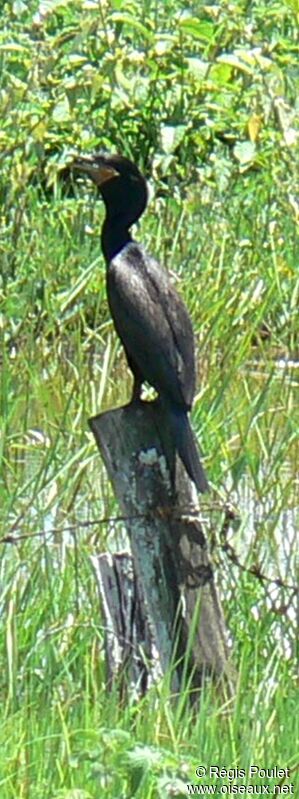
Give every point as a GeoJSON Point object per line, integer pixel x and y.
{"type": "Point", "coordinates": [121, 184]}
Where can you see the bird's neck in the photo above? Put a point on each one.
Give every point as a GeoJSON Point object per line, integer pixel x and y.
{"type": "Point", "coordinates": [115, 235]}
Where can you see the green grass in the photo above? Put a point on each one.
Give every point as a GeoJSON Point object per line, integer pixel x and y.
{"type": "Point", "coordinates": [228, 232]}
{"type": "Point", "coordinates": [60, 730]}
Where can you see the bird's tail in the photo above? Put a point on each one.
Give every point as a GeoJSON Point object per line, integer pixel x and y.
{"type": "Point", "coordinates": [187, 448]}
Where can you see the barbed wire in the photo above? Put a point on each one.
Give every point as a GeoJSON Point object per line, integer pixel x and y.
{"type": "Point", "coordinates": [11, 538]}
{"type": "Point", "coordinates": [229, 515]}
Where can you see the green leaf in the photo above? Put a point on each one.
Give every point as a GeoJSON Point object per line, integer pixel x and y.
{"type": "Point", "coordinates": [245, 152]}
{"type": "Point", "coordinates": [254, 57]}
{"type": "Point", "coordinates": [171, 137]}
{"type": "Point", "coordinates": [233, 61]}
{"type": "Point", "coordinates": [61, 111]}
{"type": "Point", "coordinates": [198, 29]}
{"type": "Point", "coordinates": [198, 68]}
{"type": "Point", "coordinates": [220, 73]}
{"type": "Point", "coordinates": [76, 58]}
{"type": "Point", "coordinates": [77, 793]}
{"type": "Point", "coordinates": [132, 22]}
{"type": "Point", "coordinates": [17, 83]}
{"type": "Point", "coordinates": [19, 7]}
{"type": "Point", "coordinates": [293, 5]}
{"type": "Point", "coordinates": [145, 757]}
{"type": "Point", "coordinates": [164, 45]}
{"type": "Point", "coordinates": [13, 47]}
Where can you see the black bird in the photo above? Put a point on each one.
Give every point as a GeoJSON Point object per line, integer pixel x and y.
{"type": "Point", "coordinates": [149, 316]}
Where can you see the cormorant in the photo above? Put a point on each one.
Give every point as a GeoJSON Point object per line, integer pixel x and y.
{"type": "Point", "coordinates": [149, 316]}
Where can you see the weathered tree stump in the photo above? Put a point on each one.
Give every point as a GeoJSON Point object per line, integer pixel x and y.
{"type": "Point", "coordinates": [169, 548]}
{"type": "Point", "coordinates": [131, 656]}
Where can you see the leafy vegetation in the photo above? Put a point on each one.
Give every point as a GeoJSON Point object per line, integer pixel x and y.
{"type": "Point", "coordinates": [204, 97]}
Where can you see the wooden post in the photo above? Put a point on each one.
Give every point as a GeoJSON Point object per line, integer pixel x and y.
{"type": "Point", "coordinates": [167, 538]}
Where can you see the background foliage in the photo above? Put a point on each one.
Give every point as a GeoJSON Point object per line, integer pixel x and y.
{"type": "Point", "coordinates": [204, 96]}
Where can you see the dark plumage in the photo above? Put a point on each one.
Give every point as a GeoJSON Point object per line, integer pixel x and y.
{"type": "Point", "coordinates": [149, 316]}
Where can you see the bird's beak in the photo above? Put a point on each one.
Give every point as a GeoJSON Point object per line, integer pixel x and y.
{"type": "Point", "coordinates": [97, 171]}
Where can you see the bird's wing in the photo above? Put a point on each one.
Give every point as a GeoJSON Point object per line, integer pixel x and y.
{"type": "Point", "coordinates": [153, 323]}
